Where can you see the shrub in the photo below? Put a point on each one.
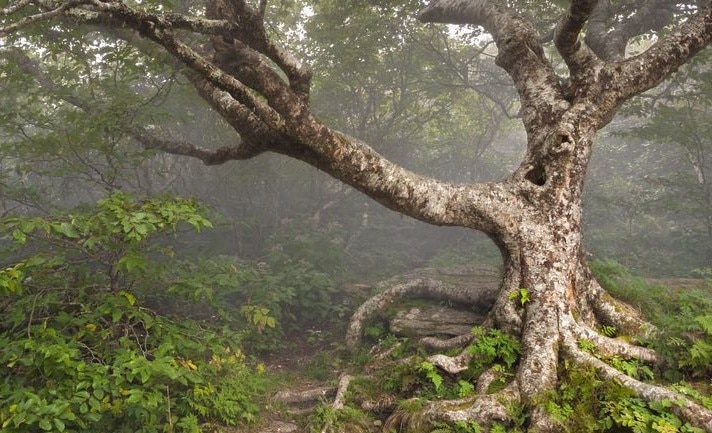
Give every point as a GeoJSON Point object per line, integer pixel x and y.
{"type": "Point", "coordinates": [83, 351]}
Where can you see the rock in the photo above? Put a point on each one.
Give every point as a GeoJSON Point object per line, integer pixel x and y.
{"type": "Point", "coordinates": [434, 321]}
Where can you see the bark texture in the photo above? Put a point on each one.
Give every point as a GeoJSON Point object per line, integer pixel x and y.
{"type": "Point", "coordinates": [533, 215]}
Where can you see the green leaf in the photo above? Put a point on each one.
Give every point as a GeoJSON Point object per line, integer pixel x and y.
{"type": "Point", "coordinates": [19, 236]}
{"type": "Point", "coordinates": [116, 315]}
{"type": "Point", "coordinates": [98, 393]}
{"type": "Point", "coordinates": [129, 297]}
{"type": "Point", "coordinates": [46, 425]}
{"type": "Point", "coordinates": [132, 261]}
{"type": "Point", "coordinates": [66, 229]}
{"type": "Point", "coordinates": [59, 424]}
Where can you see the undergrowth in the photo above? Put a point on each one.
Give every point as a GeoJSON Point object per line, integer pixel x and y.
{"type": "Point", "coordinates": [105, 330]}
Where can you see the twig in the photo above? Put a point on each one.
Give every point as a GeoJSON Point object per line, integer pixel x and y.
{"type": "Point", "coordinates": [37, 17]}
{"type": "Point", "coordinates": [168, 400]}
{"type": "Point", "coordinates": [32, 313]}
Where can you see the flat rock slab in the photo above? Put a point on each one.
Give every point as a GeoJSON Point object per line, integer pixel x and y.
{"type": "Point", "coordinates": [434, 321]}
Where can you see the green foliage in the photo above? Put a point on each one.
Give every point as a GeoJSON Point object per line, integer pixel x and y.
{"type": "Point", "coordinates": [700, 354]}
{"type": "Point", "coordinates": [403, 378]}
{"type": "Point", "coordinates": [609, 331]}
{"type": "Point", "coordinates": [457, 427]}
{"type": "Point", "coordinates": [683, 317]}
{"type": "Point", "coordinates": [323, 415]}
{"type": "Point", "coordinates": [465, 388]}
{"type": "Point", "coordinates": [11, 278]}
{"type": "Point", "coordinates": [636, 416]}
{"type": "Point", "coordinates": [585, 403]}
{"type": "Point", "coordinates": [270, 298]}
{"type": "Point", "coordinates": [346, 420]}
{"type": "Point", "coordinates": [632, 367]}
{"type": "Point", "coordinates": [113, 365]}
{"type": "Point", "coordinates": [375, 330]}
{"type": "Point", "coordinates": [431, 373]}
{"type": "Point", "coordinates": [493, 346]}
{"type": "Point", "coordinates": [113, 235]}
{"type": "Point", "coordinates": [586, 345]}
{"type": "Point", "coordinates": [83, 350]}
{"type": "Point", "coordinates": [575, 404]}
{"type": "Point", "coordinates": [521, 295]}
{"type": "Point", "coordinates": [705, 399]}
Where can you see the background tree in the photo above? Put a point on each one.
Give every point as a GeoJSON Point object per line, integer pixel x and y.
{"type": "Point", "coordinates": [533, 215]}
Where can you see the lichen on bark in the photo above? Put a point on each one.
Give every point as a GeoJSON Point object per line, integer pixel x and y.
{"type": "Point", "coordinates": [533, 215]}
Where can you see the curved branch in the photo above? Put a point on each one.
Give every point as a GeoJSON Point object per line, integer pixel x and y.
{"type": "Point", "coordinates": [162, 34]}
{"type": "Point", "coordinates": [249, 29]}
{"type": "Point", "coordinates": [609, 38]}
{"type": "Point", "coordinates": [647, 70]}
{"type": "Point", "coordinates": [577, 55]}
{"type": "Point", "coordinates": [220, 155]}
{"type": "Point", "coordinates": [520, 53]}
{"type": "Point", "coordinates": [246, 25]}
{"type": "Point", "coordinates": [42, 16]}
{"type": "Point", "coordinates": [11, 9]}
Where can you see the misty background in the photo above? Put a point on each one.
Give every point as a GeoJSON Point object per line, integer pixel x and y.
{"type": "Point", "coordinates": [429, 98]}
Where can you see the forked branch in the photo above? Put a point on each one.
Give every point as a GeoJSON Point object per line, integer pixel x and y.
{"type": "Point", "coordinates": [567, 38]}
{"type": "Point", "coordinates": [520, 53]}
{"type": "Point", "coordinates": [647, 70]}
{"type": "Point", "coordinates": [220, 155]}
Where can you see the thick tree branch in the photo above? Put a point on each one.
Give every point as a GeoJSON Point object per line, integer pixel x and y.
{"type": "Point", "coordinates": [250, 30]}
{"type": "Point", "coordinates": [11, 9]}
{"type": "Point", "coordinates": [647, 70]}
{"type": "Point", "coordinates": [520, 53]}
{"type": "Point", "coordinates": [612, 26]}
{"type": "Point", "coordinates": [577, 55]}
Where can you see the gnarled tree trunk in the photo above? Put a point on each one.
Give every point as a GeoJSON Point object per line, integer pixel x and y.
{"type": "Point", "coordinates": [534, 215]}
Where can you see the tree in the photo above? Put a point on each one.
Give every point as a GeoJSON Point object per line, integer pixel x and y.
{"type": "Point", "coordinates": [533, 215]}
{"type": "Point", "coordinates": [674, 116]}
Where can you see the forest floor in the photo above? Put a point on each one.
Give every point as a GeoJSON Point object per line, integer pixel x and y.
{"type": "Point", "coordinates": [305, 374]}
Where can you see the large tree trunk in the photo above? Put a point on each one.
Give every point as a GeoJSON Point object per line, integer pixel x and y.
{"type": "Point", "coordinates": [534, 215]}
{"type": "Point", "coordinates": [541, 243]}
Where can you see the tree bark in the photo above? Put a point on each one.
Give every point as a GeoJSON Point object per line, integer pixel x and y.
{"type": "Point", "coordinates": [533, 215]}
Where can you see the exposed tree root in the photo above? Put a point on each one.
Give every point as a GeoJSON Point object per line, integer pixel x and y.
{"type": "Point", "coordinates": [339, 400]}
{"type": "Point", "coordinates": [505, 312]}
{"type": "Point", "coordinates": [486, 379]}
{"type": "Point", "coordinates": [553, 327]}
{"type": "Point", "coordinates": [416, 286]}
{"type": "Point", "coordinates": [434, 343]}
{"type": "Point", "coordinates": [686, 409]}
{"type": "Point", "coordinates": [601, 308]}
{"type": "Point", "coordinates": [452, 364]}
{"type": "Point", "coordinates": [615, 347]}
{"type": "Point", "coordinates": [483, 409]}
{"type": "Point", "coordinates": [306, 396]}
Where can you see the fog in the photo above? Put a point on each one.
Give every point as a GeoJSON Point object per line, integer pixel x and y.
{"type": "Point", "coordinates": [145, 286]}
